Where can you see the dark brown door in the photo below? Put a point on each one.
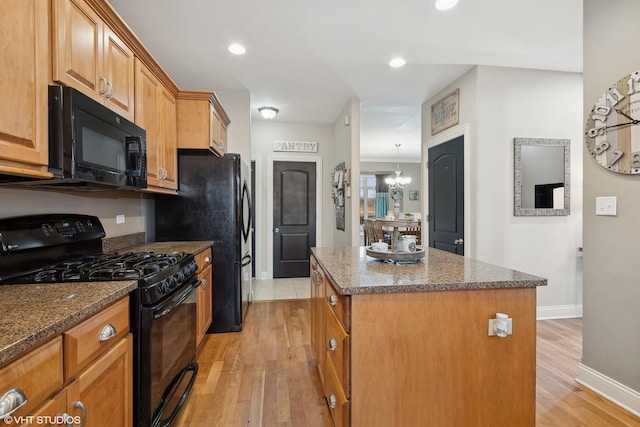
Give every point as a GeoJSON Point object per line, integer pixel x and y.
{"type": "Point", "coordinates": [446, 196]}
{"type": "Point", "coordinates": [294, 217]}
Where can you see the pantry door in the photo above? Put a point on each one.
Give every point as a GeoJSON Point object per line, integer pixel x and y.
{"type": "Point", "coordinates": [294, 217]}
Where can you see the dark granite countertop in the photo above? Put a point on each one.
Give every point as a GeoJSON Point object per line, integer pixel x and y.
{"type": "Point", "coordinates": [32, 314]}
{"type": "Point", "coordinates": [353, 272]}
{"type": "Point", "coordinates": [192, 247]}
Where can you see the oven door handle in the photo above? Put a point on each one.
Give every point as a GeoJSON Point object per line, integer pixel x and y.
{"type": "Point", "coordinates": [180, 300]}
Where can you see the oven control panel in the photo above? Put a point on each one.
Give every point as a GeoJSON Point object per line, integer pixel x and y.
{"type": "Point", "coordinates": [42, 231]}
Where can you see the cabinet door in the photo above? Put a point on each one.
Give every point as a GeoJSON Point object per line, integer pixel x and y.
{"type": "Point", "coordinates": [204, 304]}
{"type": "Point", "coordinates": [118, 71]}
{"type": "Point", "coordinates": [168, 149]}
{"type": "Point", "coordinates": [77, 47]}
{"type": "Point", "coordinates": [146, 116]}
{"type": "Point", "coordinates": [102, 394]}
{"type": "Point", "coordinates": [24, 63]}
{"type": "Point", "coordinates": [53, 413]}
{"type": "Point", "coordinates": [214, 128]}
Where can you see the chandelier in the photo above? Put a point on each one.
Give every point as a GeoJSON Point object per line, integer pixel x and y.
{"type": "Point", "coordinates": [397, 182]}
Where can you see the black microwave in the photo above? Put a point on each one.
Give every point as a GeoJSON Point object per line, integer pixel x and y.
{"type": "Point", "coordinates": [90, 144]}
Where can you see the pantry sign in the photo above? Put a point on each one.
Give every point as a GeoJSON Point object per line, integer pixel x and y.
{"type": "Point", "coordinates": [296, 146]}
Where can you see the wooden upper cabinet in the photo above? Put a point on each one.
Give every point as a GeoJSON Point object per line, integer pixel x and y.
{"type": "Point", "coordinates": [90, 57]}
{"type": "Point", "coordinates": [24, 62]}
{"type": "Point", "coordinates": [156, 113]}
{"type": "Point", "coordinates": [202, 122]}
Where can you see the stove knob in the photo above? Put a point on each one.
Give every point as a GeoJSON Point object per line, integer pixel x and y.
{"type": "Point", "coordinates": [181, 277]}
{"type": "Point", "coordinates": [174, 282]}
{"type": "Point", "coordinates": [164, 287]}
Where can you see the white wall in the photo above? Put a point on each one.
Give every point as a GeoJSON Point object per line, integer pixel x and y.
{"type": "Point", "coordinates": [104, 204]}
{"type": "Point", "coordinates": [263, 133]}
{"type": "Point", "coordinates": [511, 103]}
{"type": "Point", "coordinates": [611, 342]}
{"type": "Point", "coordinates": [347, 149]}
{"type": "Point", "coordinates": [236, 104]}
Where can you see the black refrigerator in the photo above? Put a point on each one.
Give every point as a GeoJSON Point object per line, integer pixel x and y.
{"type": "Point", "coordinates": [214, 203]}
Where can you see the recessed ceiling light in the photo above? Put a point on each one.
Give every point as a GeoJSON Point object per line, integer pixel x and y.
{"type": "Point", "coordinates": [237, 49]}
{"type": "Point", "coordinates": [445, 4]}
{"type": "Point", "coordinates": [397, 62]}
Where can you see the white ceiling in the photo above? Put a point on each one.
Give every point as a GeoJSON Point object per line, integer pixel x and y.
{"type": "Point", "coordinates": [309, 58]}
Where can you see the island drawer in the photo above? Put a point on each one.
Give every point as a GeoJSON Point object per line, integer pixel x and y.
{"type": "Point", "coordinates": [337, 349]}
{"type": "Point", "coordinates": [339, 304]}
{"type": "Point", "coordinates": [335, 397]}
{"type": "Point", "coordinates": [87, 340]}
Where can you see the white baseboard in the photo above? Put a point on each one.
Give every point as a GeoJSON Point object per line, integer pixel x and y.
{"type": "Point", "coordinates": [559, 312]}
{"type": "Point", "coordinates": [610, 389]}
{"type": "Point", "coordinates": [264, 275]}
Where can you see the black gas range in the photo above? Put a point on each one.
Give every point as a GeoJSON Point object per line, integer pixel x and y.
{"type": "Point", "coordinates": [56, 248]}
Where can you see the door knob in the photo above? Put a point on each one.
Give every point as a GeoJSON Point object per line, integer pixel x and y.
{"type": "Point", "coordinates": [276, 230]}
{"type": "Point", "coordinates": [458, 241]}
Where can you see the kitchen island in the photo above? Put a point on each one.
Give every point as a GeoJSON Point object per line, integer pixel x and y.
{"type": "Point", "coordinates": [409, 344]}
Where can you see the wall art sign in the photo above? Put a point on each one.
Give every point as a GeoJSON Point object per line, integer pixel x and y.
{"type": "Point", "coordinates": [296, 146]}
{"type": "Point", "coordinates": [444, 113]}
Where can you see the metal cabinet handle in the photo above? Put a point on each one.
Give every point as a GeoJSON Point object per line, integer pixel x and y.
{"type": "Point", "coordinates": [333, 299]}
{"type": "Point", "coordinates": [204, 284]}
{"type": "Point", "coordinates": [11, 401]}
{"type": "Point", "coordinates": [207, 260]}
{"type": "Point", "coordinates": [83, 411]}
{"type": "Point", "coordinates": [102, 86]}
{"type": "Point", "coordinates": [333, 344]}
{"type": "Point", "coordinates": [109, 90]}
{"type": "Point", "coordinates": [108, 331]}
{"type": "Point", "coordinates": [332, 401]}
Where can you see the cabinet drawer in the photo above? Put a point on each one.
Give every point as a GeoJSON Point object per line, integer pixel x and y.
{"type": "Point", "coordinates": [37, 374]}
{"type": "Point", "coordinates": [340, 305]}
{"type": "Point", "coordinates": [335, 397]}
{"type": "Point", "coordinates": [85, 341]}
{"type": "Point", "coordinates": [203, 259]}
{"type": "Point", "coordinates": [337, 348]}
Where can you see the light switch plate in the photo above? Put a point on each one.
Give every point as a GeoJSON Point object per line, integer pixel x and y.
{"type": "Point", "coordinates": [606, 206]}
{"type": "Point", "coordinates": [120, 219]}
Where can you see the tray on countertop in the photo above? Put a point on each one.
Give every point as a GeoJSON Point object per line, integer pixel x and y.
{"type": "Point", "coordinates": [397, 256]}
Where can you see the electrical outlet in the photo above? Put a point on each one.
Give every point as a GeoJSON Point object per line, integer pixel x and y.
{"type": "Point", "coordinates": [120, 219]}
{"type": "Point", "coordinates": [509, 326]}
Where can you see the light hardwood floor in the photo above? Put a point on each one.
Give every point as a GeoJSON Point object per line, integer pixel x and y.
{"type": "Point", "coordinates": [265, 376]}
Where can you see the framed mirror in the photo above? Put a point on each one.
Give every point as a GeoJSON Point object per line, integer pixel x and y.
{"type": "Point", "coordinates": [541, 177]}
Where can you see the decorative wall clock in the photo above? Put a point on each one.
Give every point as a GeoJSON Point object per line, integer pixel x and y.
{"type": "Point", "coordinates": [612, 130]}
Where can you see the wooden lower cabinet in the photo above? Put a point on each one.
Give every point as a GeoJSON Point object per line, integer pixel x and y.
{"type": "Point", "coordinates": [425, 358]}
{"type": "Point", "coordinates": [101, 394]}
{"type": "Point", "coordinates": [204, 302]}
{"type": "Point", "coordinates": [98, 394]}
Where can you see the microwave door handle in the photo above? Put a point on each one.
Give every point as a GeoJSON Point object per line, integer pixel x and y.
{"type": "Point", "coordinates": [133, 156]}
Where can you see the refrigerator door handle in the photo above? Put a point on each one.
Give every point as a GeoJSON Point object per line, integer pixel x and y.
{"type": "Point", "coordinates": [246, 195]}
{"type": "Point", "coordinates": [246, 260]}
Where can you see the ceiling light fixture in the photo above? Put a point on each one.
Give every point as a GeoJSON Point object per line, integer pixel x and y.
{"type": "Point", "coordinates": [237, 49]}
{"type": "Point", "coordinates": [397, 182]}
{"type": "Point", "coordinates": [268, 112]}
{"type": "Point", "coordinates": [445, 4]}
{"type": "Point", "coordinates": [397, 62]}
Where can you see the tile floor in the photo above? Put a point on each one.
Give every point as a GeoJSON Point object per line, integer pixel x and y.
{"type": "Point", "coordinates": [274, 289]}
